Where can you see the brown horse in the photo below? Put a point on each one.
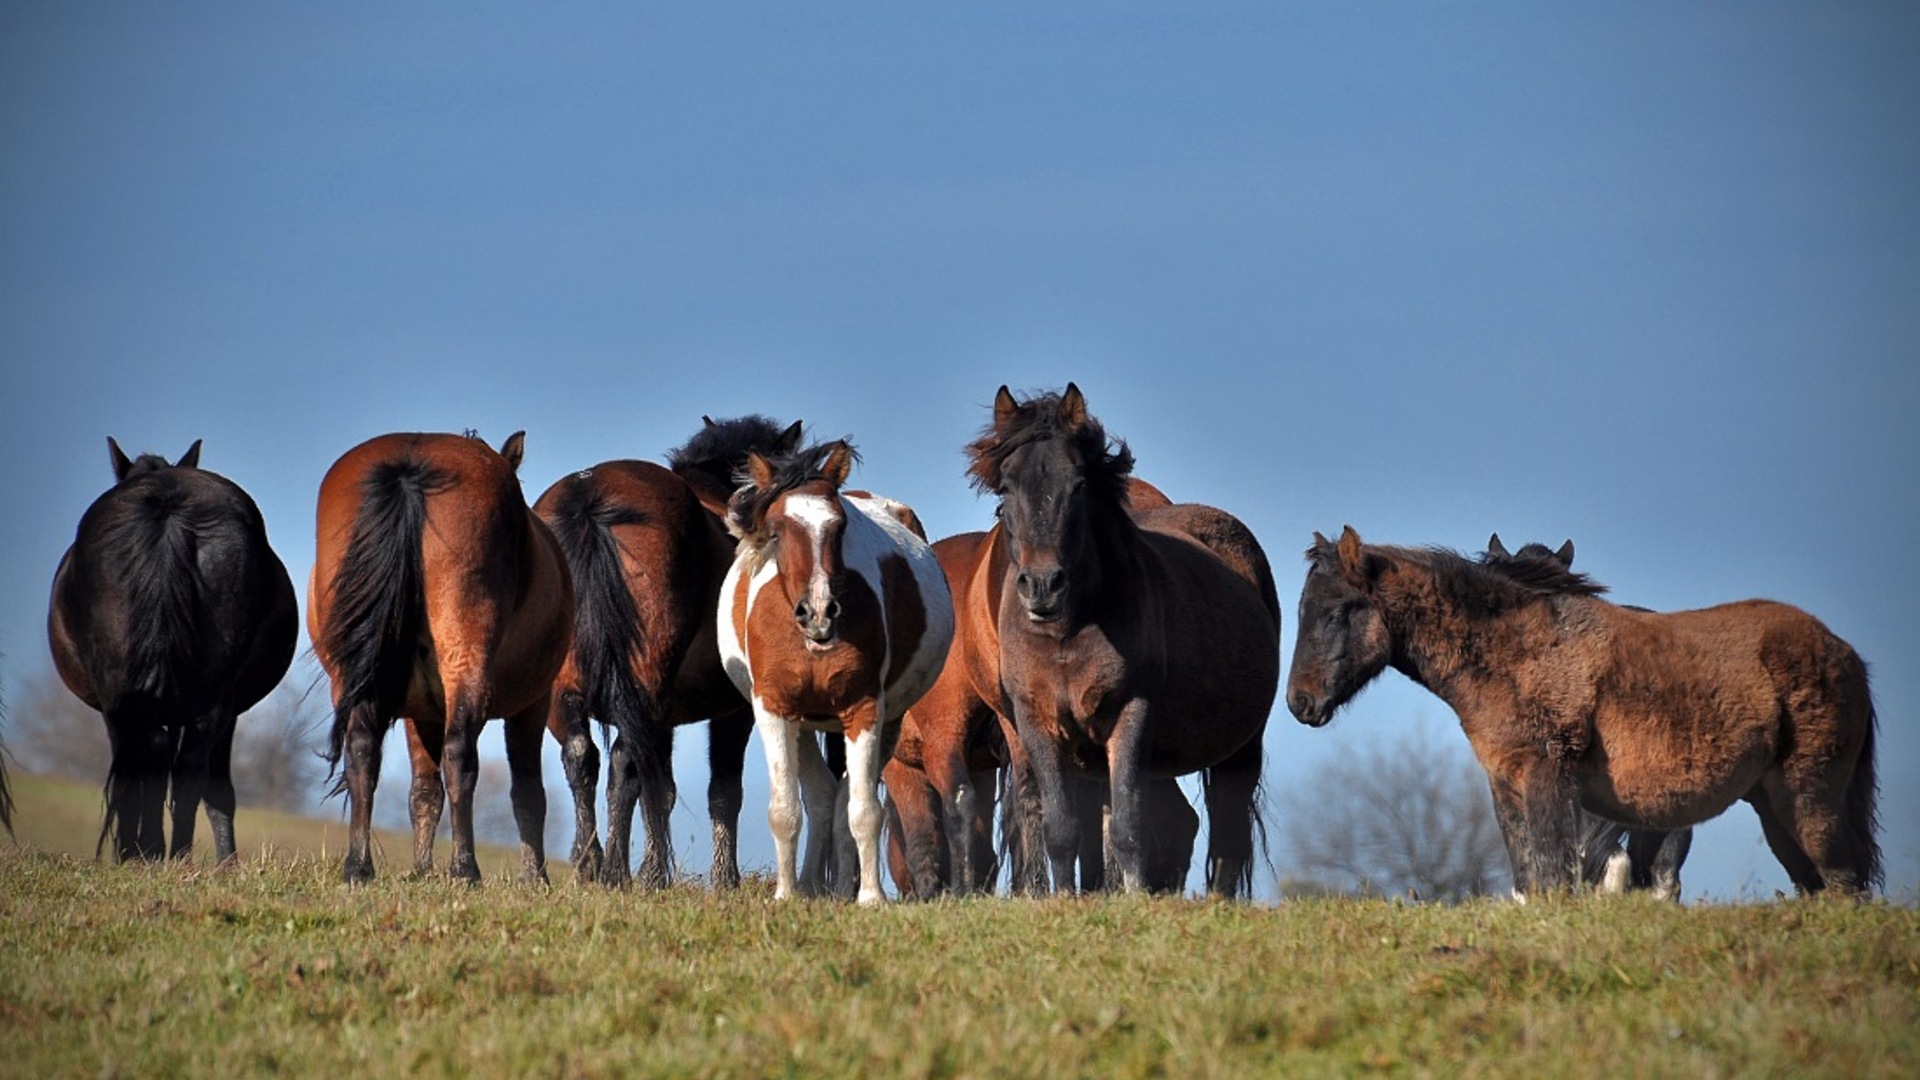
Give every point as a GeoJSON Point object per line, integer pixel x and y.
{"type": "Point", "coordinates": [1612, 856]}
{"type": "Point", "coordinates": [648, 550]}
{"type": "Point", "coordinates": [1131, 645]}
{"type": "Point", "coordinates": [835, 617]}
{"type": "Point", "coordinates": [1570, 702]}
{"type": "Point", "coordinates": [437, 596]}
{"type": "Point", "coordinates": [171, 615]}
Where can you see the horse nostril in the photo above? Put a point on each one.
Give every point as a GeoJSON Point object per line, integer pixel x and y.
{"type": "Point", "coordinates": [1299, 701]}
{"type": "Point", "coordinates": [802, 612]}
{"type": "Point", "coordinates": [833, 609]}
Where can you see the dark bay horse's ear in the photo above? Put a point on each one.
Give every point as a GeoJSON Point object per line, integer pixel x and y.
{"type": "Point", "coordinates": [1073, 406]}
{"type": "Point", "coordinates": [789, 440]}
{"type": "Point", "coordinates": [706, 421]}
{"type": "Point", "coordinates": [514, 449]}
{"type": "Point", "coordinates": [190, 459]}
{"type": "Point", "coordinates": [1496, 548]}
{"type": "Point", "coordinates": [1005, 409]}
{"type": "Point", "coordinates": [1565, 554]}
{"type": "Point", "coordinates": [838, 464]}
{"type": "Point", "coordinates": [759, 471]}
{"type": "Point", "coordinates": [121, 463]}
{"type": "Point", "coordinates": [1356, 566]}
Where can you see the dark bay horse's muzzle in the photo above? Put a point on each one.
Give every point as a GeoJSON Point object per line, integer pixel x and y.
{"type": "Point", "coordinates": [1307, 708]}
{"type": "Point", "coordinates": [1042, 591]}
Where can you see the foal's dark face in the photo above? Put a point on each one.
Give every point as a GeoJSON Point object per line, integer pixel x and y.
{"type": "Point", "coordinates": [1342, 644]}
{"type": "Point", "coordinates": [1046, 510]}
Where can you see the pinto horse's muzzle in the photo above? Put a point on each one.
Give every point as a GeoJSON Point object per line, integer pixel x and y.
{"type": "Point", "coordinates": [819, 625]}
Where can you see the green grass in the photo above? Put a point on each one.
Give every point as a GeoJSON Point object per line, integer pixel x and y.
{"type": "Point", "coordinates": [273, 968]}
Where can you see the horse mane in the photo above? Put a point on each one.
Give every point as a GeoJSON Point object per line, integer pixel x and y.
{"type": "Point", "coordinates": [747, 510]}
{"type": "Point", "coordinates": [1108, 461]}
{"type": "Point", "coordinates": [717, 450]}
{"type": "Point", "coordinates": [1489, 582]}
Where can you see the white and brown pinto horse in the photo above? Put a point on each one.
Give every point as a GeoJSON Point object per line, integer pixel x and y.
{"type": "Point", "coordinates": [835, 617]}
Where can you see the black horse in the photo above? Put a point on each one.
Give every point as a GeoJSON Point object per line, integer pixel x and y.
{"type": "Point", "coordinates": [172, 616]}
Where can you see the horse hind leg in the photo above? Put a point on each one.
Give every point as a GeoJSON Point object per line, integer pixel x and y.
{"type": "Point", "coordinates": [460, 764]}
{"type": "Point", "coordinates": [1232, 790]}
{"type": "Point", "coordinates": [623, 792]}
{"type": "Point", "coordinates": [1786, 848]}
{"type": "Point", "coordinates": [188, 776]}
{"type": "Point", "coordinates": [426, 745]}
{"type": "Point", "coordinates": [819, 791]}
{"type": "Point", "coordinates": [523, 734]}
{"type": "Point", "coordinates": [567, 723]}
{"type": "Point", "coordinates": [221, 799]}
{"type": "Point", "coordinates": [727, 760]}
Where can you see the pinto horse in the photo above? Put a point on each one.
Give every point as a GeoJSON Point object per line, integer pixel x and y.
{"type": "Point", "coordinates": [437, 596]}
{"type": "Point", "coordinates": [1653, 720]}
{"type": "Point", "coordinates": [171, 615]}
{"type": "Point", "coordinates": [1613, 857]}
{"type": "Point", "coordinates": [648, 550]}
{"type": "Point", "coordinates": [1139, 645]}
{"type": "Point", "coordinates": [834, 617]}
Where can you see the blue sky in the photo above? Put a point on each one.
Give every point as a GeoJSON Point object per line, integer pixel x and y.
{"type": "Point", "coordinates": [1636, 275]}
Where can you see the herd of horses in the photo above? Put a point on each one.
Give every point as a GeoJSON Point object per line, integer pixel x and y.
{"type": "Point", "coordinates": [1056, 673]}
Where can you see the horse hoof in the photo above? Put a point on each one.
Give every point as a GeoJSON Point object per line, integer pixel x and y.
{"type": "Point", "coordinates": [357, 873]}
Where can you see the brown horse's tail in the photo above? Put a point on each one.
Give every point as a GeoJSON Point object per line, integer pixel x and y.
{"type": "Point", "coordinates": [606, 624]}
{"type": "Point", "coordinates": [377, 599]}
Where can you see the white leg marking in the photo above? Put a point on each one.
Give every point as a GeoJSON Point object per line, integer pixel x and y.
{"type": "Point", "coordinates": [779, 739]}
{"type": "Point", "coordinates": [863, 810]}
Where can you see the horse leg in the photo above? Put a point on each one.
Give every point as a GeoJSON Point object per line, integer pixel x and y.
{"type": "Point", "coordinates": [623, 791]}
{"type": "Point", "coordinates": [1510, 813]}
{"type": "Point", "coordinates": [1059, 824]}
{"type": "Point", "coordinates": [187, 772]}
{"type": "Point", "coordinates": [136, 787]}
{"type": "Point", "coordinates": [426, 743]}
{"type": "Point", "coordinates": [819, 788]}
{"type": "Point", "coordinates": [913, 836]}
{"type": "Point", "coordinates": [1655, 858]}
{"type": "Point", "coordinates": [221, 800]}
{"type": "Point", "coordinates": [1767, 801]}
{"type": "Point", "coordinates": [653, 767]}
{"type": "Point", "coordinates": [1232, 790]}
{"type": "Point", "coordinates": [864, 760]}
{"type": "Point", "coordinates": [567, 723]}
{"type": "Point", "coordinates": [1127, 826]}
{"type": "Point", "coordinates": [980, 834]}
{"type": "Point", "coordinates": [460, 763]}
{"type": "Point", "coordinates": [780, 740]}
{"type": "Point", "coordinates": [1088, 796]}
{"type": "Point", "coordinates": [523, 732]}
{"type": "Point", "coordinates": [959, 805]}
{"type": "Point", "coordinates": [1171, 827]}
{"type": "Point", "coordinates": [727, 762]}
{"type": "Point", "coordinates": [1551, 805]}
{"type": "Point", "coordinates": [362, 752]}
{"type": "Point", "coordinates": [1020, 818]}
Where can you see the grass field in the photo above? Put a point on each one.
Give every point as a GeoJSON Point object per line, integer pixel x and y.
{"type": "Point", "coordinates": [274, 968]}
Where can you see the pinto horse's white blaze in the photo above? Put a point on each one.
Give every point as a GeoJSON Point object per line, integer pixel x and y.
{"type": "Point", "coordinates": [892, 620]}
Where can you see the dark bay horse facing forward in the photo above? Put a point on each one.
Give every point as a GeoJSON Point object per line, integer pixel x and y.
{"type": "Point", "coordinates": [1570, 702]}
{"type": "Point", "coordinates": [1139, 645]}
{"type": "Point", "coordinates": [1612, 856]}
{"type": "Point", "coordinates": [834, 617]}
{"type": "Point", "coordinates": [439, 597]}
{"type": "Point", "coordinates": [648, 548]}
{"type": "Point", "coordinates": [172, 616]}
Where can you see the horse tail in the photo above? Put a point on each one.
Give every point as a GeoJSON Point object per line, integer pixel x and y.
{"type": "Point", "coordinates": [153, 541]}
{"type": "Point", "coordinates": [606, 622]}
{"type": "Point", "coordinates": [1862, 820]}
{"type": "Point", "coordinates": [378, 598]}
{"type": "Point", "coordinates": [1261, 852]}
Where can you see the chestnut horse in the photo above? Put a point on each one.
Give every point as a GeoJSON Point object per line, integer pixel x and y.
{"type": "Point", "coordinates": [1652, 720]}
{"type": "Point", "coordinates": [835, 617]}
{"type": "Point", "coordinates": [1142, 645]}
{"type": "Point", "coordinates": [1649, 858]}
{"type": "Point", "coordinates": [171, 615]}
{"type": "Point", "coordinates": [648, 549]}
{"type": "Point", "coordinates": [437, 596]}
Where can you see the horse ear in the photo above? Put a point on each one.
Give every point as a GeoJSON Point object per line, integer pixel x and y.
{"type": "Point", "coordinates": [121, 464]}
{"type": "Point", "coordinates": [1565, 554]}
{"type": "Point", "coordinates": [1004, 407]}
{"type": "Point", "coordinates": [1496, 548]}
{"type": "Point", "coordinates": [190, 459]}
{"type": "Point", "coordinates": [759, 471]}
{"type": "Point", "coordinates": [514, 449]}
{"type": "Point", "coordinates": [1073, 406]}
{"type": "Point", "coordinates": [1356, 565]}
{"type": "Point", "coordinates": [707, 421]}
{"type": "Point", "coordinates": [839, 463]}
{"type": "Point", "coordinates": [790, 438]}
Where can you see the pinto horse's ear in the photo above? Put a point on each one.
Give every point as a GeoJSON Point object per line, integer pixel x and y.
{"type": "Point", "coordinates": [759, 471]}
{"type": "Point", "coordinates": [1356, 566]}
{"type": "Point", "coordinates": [1565, 554]}
{"type": "Point", "coordinates": [789, 440]}
{"type": "Point", "coordinates": [190, 459]}
{"type": "Point", "coordinates": [838, 464]}
{"type": "Point", "coordinates": [121, 463]}
{"type": "Point", "coordinates": [1005, 409]}
{"type": "Point", "coordinates": [1496, 548]}
{"type": "Point", "coordinates": [514, 449]}
{"type": "Point", "coordinates": [1073, 406]}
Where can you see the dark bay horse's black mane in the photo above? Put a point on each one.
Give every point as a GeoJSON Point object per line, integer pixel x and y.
{"type": "Point", "coordinates": [718, 448]}
{"type": "Point", "coordinates": [1108, 462]}
{"type": "Point", "coordinates": [1490, 582]}
{"type": "Point", "coordinates": [747, 510]}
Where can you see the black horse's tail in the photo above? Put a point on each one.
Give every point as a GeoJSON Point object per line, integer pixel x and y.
{"type": "Point", "coordinates": [606, 623]}
{"type": "Point", "coordinates": [1862, 814]}
{"type": "Point", "coordinates": [378, 602]}
{"type": "Point", "coordinates": [1260, 851]}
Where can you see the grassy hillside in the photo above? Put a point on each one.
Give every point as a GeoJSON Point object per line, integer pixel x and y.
{"type": "Point", "coordinates": [273, 967]}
